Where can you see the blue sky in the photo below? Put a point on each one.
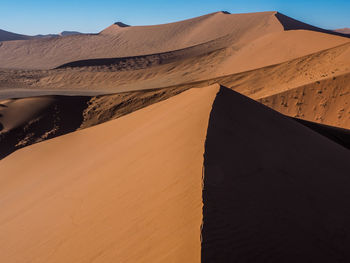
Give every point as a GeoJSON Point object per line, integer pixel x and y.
{"type": "Point", "coordinates": [51, 16]}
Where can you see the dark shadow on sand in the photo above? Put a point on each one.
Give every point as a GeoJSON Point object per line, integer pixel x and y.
{"type": "Point", "coordinates": [338, 135]}
{"type": "Point", "coordinates": [291, 24]}
{"type": "Point", "coordinates": [63, 116]}
{"type": "Point", "coordinates": [274, 190]}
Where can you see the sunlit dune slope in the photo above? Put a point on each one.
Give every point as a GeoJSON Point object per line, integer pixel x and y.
{"type": "Point", "coordinates": [188, 66]}
{"type": "Point", "coordinates": [135, 41]}
{"type": "Point", "coordinates": [125, 191]}
{"type": "Point", "coordinates": [325, 101]}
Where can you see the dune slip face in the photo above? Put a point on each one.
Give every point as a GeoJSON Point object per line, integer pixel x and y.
{"type": "Point", "coordinates": [274, 190]}
{"type": "Point", "coordinates": [31, 120]}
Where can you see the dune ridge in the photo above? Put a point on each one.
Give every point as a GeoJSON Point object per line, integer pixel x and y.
{"type": "Point", "coordinates": [137, 197]}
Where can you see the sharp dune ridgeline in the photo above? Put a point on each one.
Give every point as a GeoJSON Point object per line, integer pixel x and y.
{"type": "Point", "coordinates": [221, 138]}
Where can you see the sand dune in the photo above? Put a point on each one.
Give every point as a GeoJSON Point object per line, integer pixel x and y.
{"type": "Point", "coordinates": [137, 198]}
{"type": "Point", "coordinates": [290, 23]}
{"type": "Point", "coordinates": [325, 101]}
{"type": "Point", "coordinates": [186, 66]}
{"type": "Point", "coordinates": [105, 140]}
{"type": "Point", "coordinates": [138, 194]}
{"type": "Point", "coordinates": [282, 87]}
{"type": "Point", "coordinates": [343, 30]}
{"type": "Point", "coordinates": [120, 41]}
{"type": "Point", "coordinates": [135, 41]}
{"type": "Point", "coordinates": [9, 36]}
{"type": "Point", "coordinates": [313, 87]}
{"type": "Point", "coordinates": [25, 121]}
{"type": "Point", "coordinates": [31, 120]}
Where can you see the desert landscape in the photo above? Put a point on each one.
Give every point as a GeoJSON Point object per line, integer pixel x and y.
{"type": "Point", "coordinates": [220, 138]}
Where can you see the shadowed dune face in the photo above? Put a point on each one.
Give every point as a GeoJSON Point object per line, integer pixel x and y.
{"type": "Point", "coordinates": [292, 24]}
{"type": "Point", "coordinates": [338, 135]}
{"type": "Point", "coordinates": [274, 190]}
{"type": "Point", "coordinates": [31, 120]}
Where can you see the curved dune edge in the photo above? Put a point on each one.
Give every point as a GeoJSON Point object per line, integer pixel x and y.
{"type": "Point", "coordinates": [125, 191]}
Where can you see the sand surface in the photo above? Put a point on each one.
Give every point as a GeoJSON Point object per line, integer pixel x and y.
{"type": "Point", "coordinates": [136, 198]}
{"type": "Point", "coordinates": [325, 101]}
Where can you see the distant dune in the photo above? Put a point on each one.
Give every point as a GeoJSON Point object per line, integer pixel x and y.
{"type": "Point", "coordinates": [69, 33]}
{"type": "Point", "coordinates": [343, 30]}
{"type": "Point", "coordinates": [8, 36]}
{"type": "Point", "coordinates": [119, 40]}
{"type": "Point", "coordinates": [292, 24]}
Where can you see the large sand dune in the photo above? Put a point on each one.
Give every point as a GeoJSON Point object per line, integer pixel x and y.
{"type": "Point", "coordinates": [130, 190]}
{"type": "Point", "coordinates": [135, 41]}
{"type": "Point", "coordinates": [239, 30]}
{"type": "Point", "coordinates": [105, 139]}
{"type": "Point", "coordinates": [135, 198]}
